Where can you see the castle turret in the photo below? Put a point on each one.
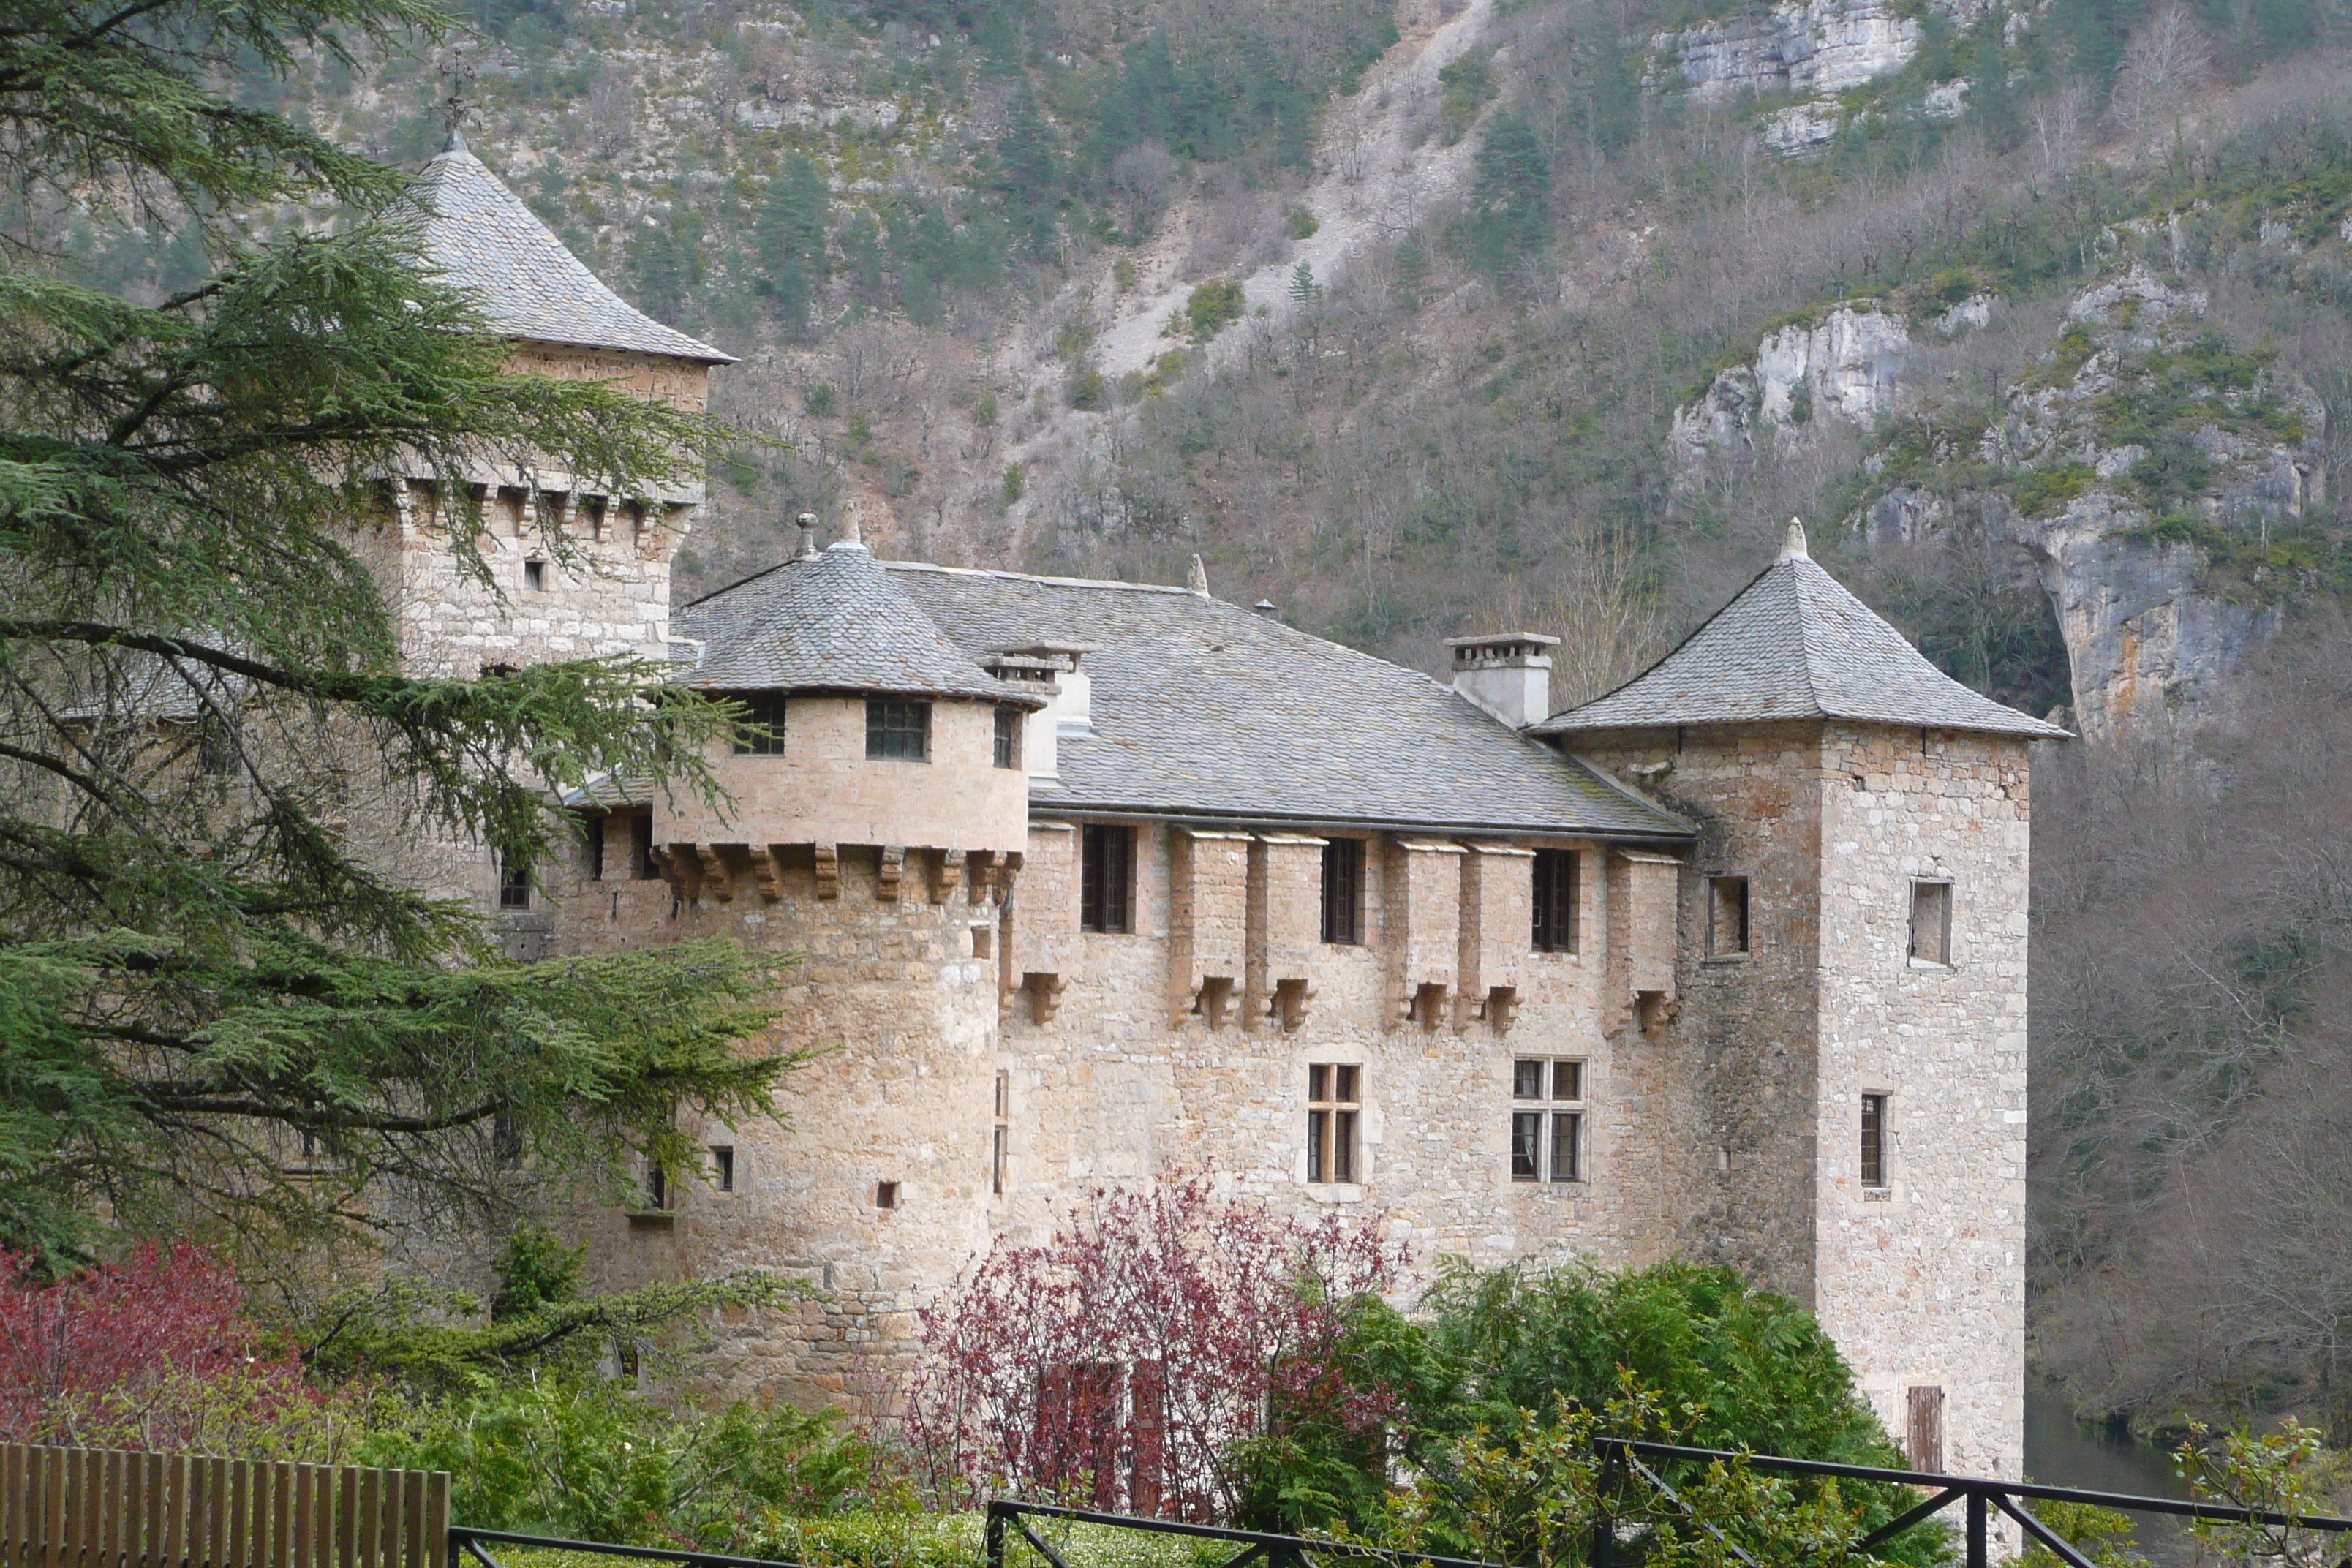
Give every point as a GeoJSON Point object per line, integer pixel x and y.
{"type": "Point", "coordinates": [1843, 1083]}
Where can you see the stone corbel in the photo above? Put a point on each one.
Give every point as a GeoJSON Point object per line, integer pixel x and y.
{"type": "Point", "coordinates": [1001, 873]}
{"type": "Point", "coordinates": [1288, 1005]}
{"type": "Point", "coordinates": [828, 870]}
{"type": "Point", "coordinates": [892, 867]}
{"type": "Point", "coordinates": [681, 867]}
{"type": "Point", "coordinates": [1501, 1008]}
{"type": "Point", "coordinates": [1045, 996]}
{"type": "Point", "coordinates": [1425, 1005]}
{"type": "Point", "coordinates": [767, 868]}
{"type": "Point", "coordinates": [714, 871]}
{"type": "Point", "coordinates": [947, 873]}
{"type": "Point", "coordinates": [979, 873]}
{"type": "Point", "coordinates": [1214, 1000]}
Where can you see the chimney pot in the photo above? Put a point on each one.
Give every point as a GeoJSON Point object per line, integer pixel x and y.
{"type": "Point", "coordinates": [1509, 673]}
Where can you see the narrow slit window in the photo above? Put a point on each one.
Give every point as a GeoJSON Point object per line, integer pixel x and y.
{"type": "Point", "coordinates": [1008, 737]}
{"type": "Point", "coordinates": [1931, 922]}
{"type": "Point", "coordinates": [657, 1193]}
{"type": "Point", "coordinates": [1343, 891]}
{"type": "Point", "coordinates": [723, 1167]}
{"type": "Point", "coordinates": [1728, 927]}
{"type": "Point", "coordinates": [1873, 1140]}
{"type": "Point", "coordinates": [1546, 1120]}
{"type": "Point", "coordinates": [1555, 900]}
{"type": "Point", "coordinates": [1001, 1137]}
{"type": "Point", "coordinates": [1107, 877]}
{"type": "Point", "coordinates": [762, 734]}
{"type": "Point", "coordinates": [1333, 1108]}
{"type": "Point", "coordinates": [534, 576]}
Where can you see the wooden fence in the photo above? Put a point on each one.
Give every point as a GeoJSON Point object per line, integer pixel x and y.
{"type": "Point", "coordinates": [97, 1508]}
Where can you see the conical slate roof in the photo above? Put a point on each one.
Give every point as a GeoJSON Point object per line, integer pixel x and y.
{"type": "Point", "coordinates": [486, 242]}
{"type": "Point", "coordinates": [837, 622]}
{"type": "Point", "coordinates": [1795, 645]}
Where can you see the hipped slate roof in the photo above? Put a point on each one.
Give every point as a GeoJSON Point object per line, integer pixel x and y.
{"type": "Point", "coordinates": [1795, 645]}
{"type": "Point", "coordinates": [836, 622]}
{"type": "Point", "coordinates": [1202, 709]}
{"type": "Point", "coordinates": [486, 242]}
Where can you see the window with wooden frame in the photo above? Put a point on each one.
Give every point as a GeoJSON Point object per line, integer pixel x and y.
{"type": "Point", "coordinates": [1008, 737]}
{"type": "Point", "coordinates": [1555, 900]}
{"type": "Point", "coordinates": [898, 731]}
{"type": "Point", "coordinates": [1333, 1106]}
{"type": "Point", "coordinates": [514, 882]}
{"type": "Point", "coordinates": [1931, 922]}
{"type": "Point", "coordinates": [762, 734]}
{"type": "Point", "coordinates": [1727, 926]}
{"type": "Point", "coordinates": [723, 1167]}
{"type": "Point", "coordinates": [1343, 891]}
{"type": "Point", "coordinates": [1003, 1136]}
{"type": "Point", "coordinates": [1873, 1140]}
{"type": "Point", "coordinates": [1107, 877]}
{"type": "Point", "coordinates": [1546, 1120]}
{"type": "Point", "coordinates": [657, 1189]}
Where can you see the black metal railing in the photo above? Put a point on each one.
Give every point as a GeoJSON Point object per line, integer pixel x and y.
{"type": "Point", "coordinates": [1624, 1461]}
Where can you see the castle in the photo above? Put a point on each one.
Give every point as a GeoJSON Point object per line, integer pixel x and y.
{"type": "Point", "coordinates": [1091, 880]}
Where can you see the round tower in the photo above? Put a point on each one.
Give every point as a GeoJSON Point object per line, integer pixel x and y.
{"type": "Point", "coordinates": [875, 814]}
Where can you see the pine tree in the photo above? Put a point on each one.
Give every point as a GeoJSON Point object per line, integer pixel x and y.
{"type": "Point", "coordinates": [790, 233]}
{"type": "Point", "coordinates": [1029, 175]}
{"type": "Point", "coordinates": [1304, 290]}
{"type": "Point", "coordinates": [205, 964]}
{"type": "Point", "coordinates": [1510, 215]}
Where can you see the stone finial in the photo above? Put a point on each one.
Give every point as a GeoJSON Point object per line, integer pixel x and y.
{"type": "Point", "coordinates": [852, 530]}
{"type": "Point", "coordinates": [807, 552]}
{"type": "Point", "coordinates": [1793, 548]}
{"type": "Point", "coordinates": [1199, 579]}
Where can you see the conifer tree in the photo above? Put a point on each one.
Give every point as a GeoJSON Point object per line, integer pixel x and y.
{"type": "Point", "coordinates": [213, 967]}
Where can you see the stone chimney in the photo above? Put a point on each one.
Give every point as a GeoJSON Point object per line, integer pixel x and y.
{"type": "Point", "coordinates": [1509, 673]}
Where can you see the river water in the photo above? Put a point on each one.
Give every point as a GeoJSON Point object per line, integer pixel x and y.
{"type": "Point", "coordinates": [2061, 1451]}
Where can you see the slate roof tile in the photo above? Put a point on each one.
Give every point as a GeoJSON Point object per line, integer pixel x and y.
{"type": "Point", "coordinates": [1794, 644]}
{"type": "Point", "coordinates": [839, 622]}
{"type": "Point", "coordinates": [486, 241]}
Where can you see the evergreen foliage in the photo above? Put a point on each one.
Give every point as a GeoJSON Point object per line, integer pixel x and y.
{"type": "Point", "coordinates": [212, 967]}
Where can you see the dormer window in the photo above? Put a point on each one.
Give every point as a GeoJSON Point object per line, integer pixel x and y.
{"type": "Point", "coordinates": [762, 734]}
{"type": "Point", "coordinates": [898, 731]}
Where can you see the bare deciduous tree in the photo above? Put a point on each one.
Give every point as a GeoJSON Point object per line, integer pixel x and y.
{"type": "Point", "coordinates": [2169, 56]}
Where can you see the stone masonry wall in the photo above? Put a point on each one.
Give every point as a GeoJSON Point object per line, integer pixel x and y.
{"type": "Point", "coordinates": [1921, 1281]}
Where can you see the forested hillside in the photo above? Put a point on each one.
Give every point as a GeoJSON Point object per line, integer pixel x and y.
{"type": "Point", "coordinates": [1426, 318]}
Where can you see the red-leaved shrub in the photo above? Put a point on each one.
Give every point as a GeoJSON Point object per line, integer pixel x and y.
{"type": "Point", "coordinates": [143, 1354]}
{"type": "Point", "coordinates": [1119, 1361]}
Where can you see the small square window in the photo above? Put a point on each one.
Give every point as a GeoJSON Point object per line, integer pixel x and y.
{"type": "Point", "coordinates": [1008, 737]}
{"type": "Point", "coordinates": [898, 731]}
{"type": "Point", "coordinates": [1931, 922]}
{"type": "Point", "coordinates": [1727, 930]}
{"type": "Point", "coordinates": [762, 734]}
{"type": "Point", "coordinates": [723, 1167]}
{"type": "Point", "coordinates": [1343, 891]}
{"type": "Point", "coordinates": [1333, 1108]}
{"type": "Point", "coordinates": [514, 883]}
{"type": "Point", "coordinates": [534, 576]}
{"type": "Point", "coordinates": [885, 1194]}
{"type": "Point", "coordinates": [1873, 1140]}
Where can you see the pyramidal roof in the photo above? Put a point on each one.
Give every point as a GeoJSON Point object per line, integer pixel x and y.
{"type": "Point", "coordinates": [486, 242]}
{"type": "Point", "coordinates": [829, 620]}
{"type": "Point", "coordinates": [1795, 645]}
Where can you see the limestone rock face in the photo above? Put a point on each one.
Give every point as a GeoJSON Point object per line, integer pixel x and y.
{"type": "Point", "coordinates": [1804, 46]}
{"type": "Point", "coordinates": [1847, 364]}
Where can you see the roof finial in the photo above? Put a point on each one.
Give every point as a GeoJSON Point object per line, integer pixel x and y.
{"type": "Point", "coordinates": [1198, 581]}
{"type": "Point", "coordinates": [461, 73]}
{"type": "Point", "coordinates": [1793, 548]}
{"type": "Point", "coordinates": [851, 531]}
{"type": "Point", "coordinates": [807, 552]}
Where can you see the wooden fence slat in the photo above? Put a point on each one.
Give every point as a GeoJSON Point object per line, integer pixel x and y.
{"type": "Point", "coordinates": [371, 1517]}
{"type": "Point", "coordinates": [388, 1537]}
{"type": "Point", "coordinates": [412, 1548]}
{"type": "Point", "coordinates": [53, 1508]}
{"type": "Point", "coordinates": [135, 1467]}
{"type": "Point", "coordinates": [83, 1512]}
{"type": "Point", "coordinates": [159, 1499]}
{"type": "Point", "coordinates": [108, 1538]}
{"type": "Point", "coordinates": [306, 1514]}
{"type": "Point", "coordinates": [13, 1533]}
{"type": "Point", "coordinates": [347, 1518]}
{"type": "Point", "coordinates": [173, 1501]}
{"type": "Point", "coordinates": [436, 1519]}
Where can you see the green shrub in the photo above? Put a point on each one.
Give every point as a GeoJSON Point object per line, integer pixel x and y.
{"type": "Point", "coordinates": [1213, 307]}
